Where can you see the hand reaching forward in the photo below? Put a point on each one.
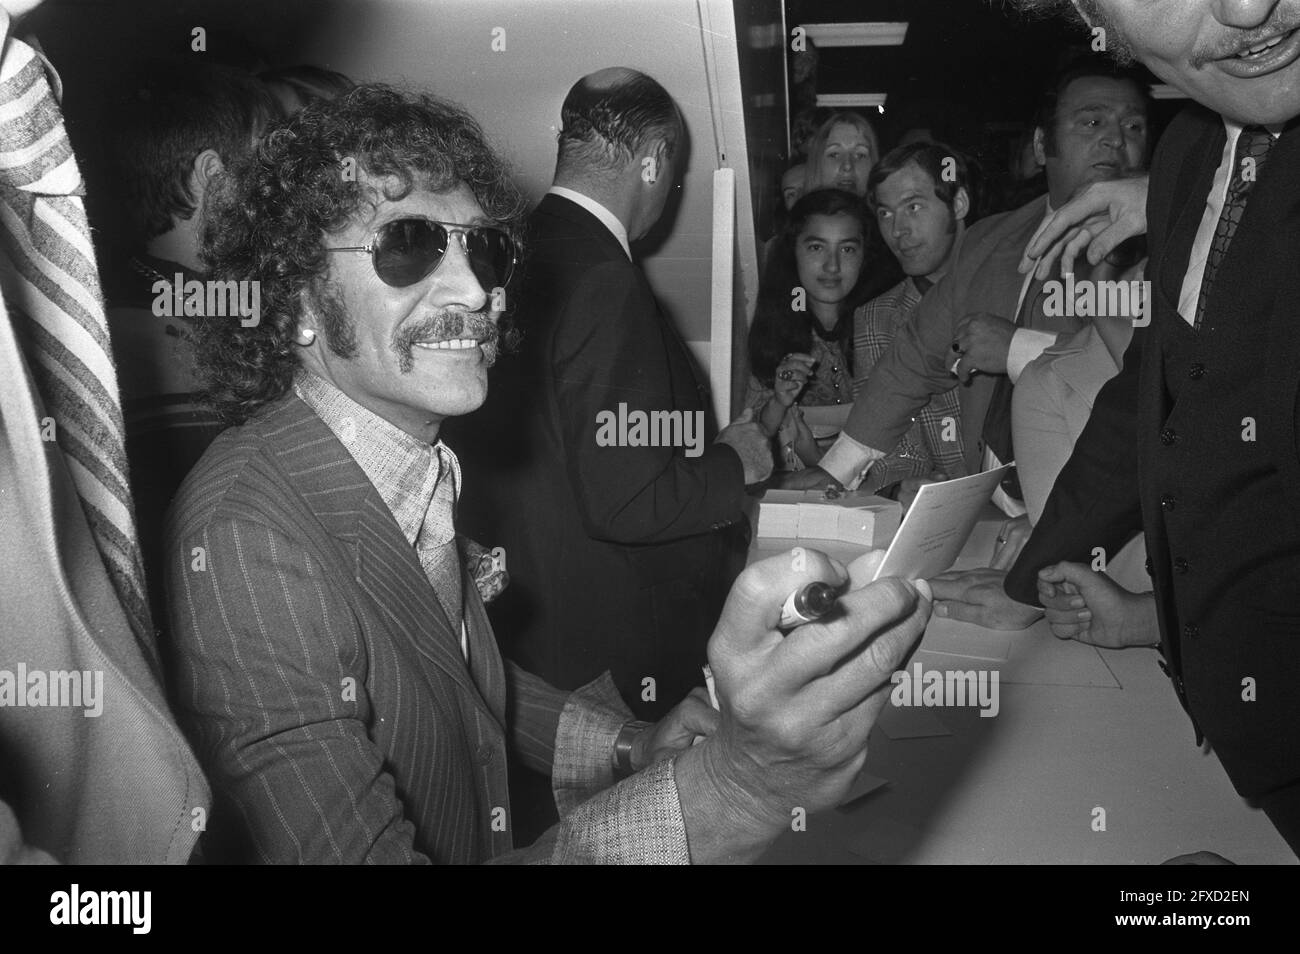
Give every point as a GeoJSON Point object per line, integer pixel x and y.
{"type": "Point", "coordinates": [796, 708]}
{"type": "Point", "coordinates": [1089, 606]}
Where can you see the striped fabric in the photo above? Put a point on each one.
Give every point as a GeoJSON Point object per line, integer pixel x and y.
{"type": "Point", "coordinates": [52, 291]}
{"type": "Point", "coordinates": [922, 450]}
{"type": "Point", "coordinates": [419, 482]}
{"type": "Point", "coordinates": [325, 690]}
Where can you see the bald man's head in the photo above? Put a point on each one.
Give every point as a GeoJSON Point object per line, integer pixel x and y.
{"type": "Point", "coordinates": [609, 116]}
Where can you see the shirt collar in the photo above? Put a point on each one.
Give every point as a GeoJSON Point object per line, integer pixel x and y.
{"type": "Point", "coordinates": [404, 470]}
{"type": "Point", "coordinates": [1234, 129]}
{"type": "Point", "coordinates": [607, 218]}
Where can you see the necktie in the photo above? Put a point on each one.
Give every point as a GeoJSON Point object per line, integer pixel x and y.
{"type": "Point", "coordinates": [1252, 149]}
{"type": "Point", "coordinates": [436, 542]}
{"type": "Point", "coordinates": [51, 289]}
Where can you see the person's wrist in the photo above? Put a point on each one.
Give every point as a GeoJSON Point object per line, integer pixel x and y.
{"type": "Point", "coordinates": [1141, 607]}
{"type": "Point", "coordinates": [725, 822]}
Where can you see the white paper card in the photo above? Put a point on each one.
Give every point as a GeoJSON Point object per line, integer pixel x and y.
{"type": "Point", "coordinates": [938, 525]}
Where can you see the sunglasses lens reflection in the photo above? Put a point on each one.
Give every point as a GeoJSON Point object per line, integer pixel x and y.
{"type": "Point", "coordinates": [409, 249]}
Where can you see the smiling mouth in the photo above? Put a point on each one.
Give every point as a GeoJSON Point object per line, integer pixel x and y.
{"type": "Point", "coordinates": [1261, 48]}
{"type": "Point", "coordinates": [1260, 59]}
{"type": "Point", "coordinates": [451, 344]}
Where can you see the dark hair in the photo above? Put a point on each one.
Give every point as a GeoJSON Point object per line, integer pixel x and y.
{"type": "Point", "coordinates": [308, 83]}
{"type": "Point", "coordinates": [932, 158]}
{"type": "Point", "coordinates": [1077, 69]}
{"type": "Point", "coordinates": [778, 329]}
{"type": "Point", "coordinates": [602, 126]}
{"type": "Point", "coordinates": [271, 216]}
{"type": "Point", "coordinates": [169, 113]}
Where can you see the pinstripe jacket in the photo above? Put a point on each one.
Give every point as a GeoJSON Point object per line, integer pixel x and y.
{"type": "Point", "coordinates": [325, 689]}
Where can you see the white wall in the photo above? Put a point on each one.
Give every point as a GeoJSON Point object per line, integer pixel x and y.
{"type": "Point", "coordinates": [446, 46]}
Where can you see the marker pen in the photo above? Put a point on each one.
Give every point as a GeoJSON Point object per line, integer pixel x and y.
{"type": "Point", "coordinates": [808, 603]}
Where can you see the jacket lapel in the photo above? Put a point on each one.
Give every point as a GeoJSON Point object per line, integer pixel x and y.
{"type": "Point", "coordinates": [384, 565]}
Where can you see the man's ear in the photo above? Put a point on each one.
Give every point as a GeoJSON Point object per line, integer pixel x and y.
{"type": "Point", "coordinates": [653, 160]}
{"type": "Point", "coordinates": [206, 169]}
{"type": "Point", "coordinates": [961, 205]}
{"type": "Point", "coordinates": [1040, 146]}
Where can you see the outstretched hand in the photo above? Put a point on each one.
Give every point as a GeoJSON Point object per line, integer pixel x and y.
{"type": "Point", "coordinates": [1097, 219]}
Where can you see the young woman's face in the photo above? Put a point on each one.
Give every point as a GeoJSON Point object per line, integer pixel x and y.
{"type": "Point", "coordinates": [828, 252]}
{"type": "Point", "coordinates": [847, 159]}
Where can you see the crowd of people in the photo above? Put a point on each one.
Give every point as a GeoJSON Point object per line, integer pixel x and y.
{"type": "Point", "coordinates": [362, 600]}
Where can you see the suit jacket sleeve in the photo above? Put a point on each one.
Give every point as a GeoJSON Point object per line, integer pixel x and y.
{"type": "Point", "coordinates": [607, 351]}
{"type": "Point", "coordinates": [266, 658]}
{"type": "Point", "coordinates": [911, 372]}
{"type": "Point", "coordinates": [638, 821]}
{"type": "Point", "coordinates": [1095, 500]}
{"type": "Point", "coordinates": [266, 665]}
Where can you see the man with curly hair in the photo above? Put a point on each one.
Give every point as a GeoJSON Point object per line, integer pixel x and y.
{"type": "Point", "coordinates": [332, 659]}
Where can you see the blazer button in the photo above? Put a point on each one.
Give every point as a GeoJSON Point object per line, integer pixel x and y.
{"type": "Point", "coordinates": [1180, 565]}
{"type": "Point", "coordinates": [1151, 570]}
{"type": "Point", "coordinates": [1191, 631]}
{"type": "Point", "coordinates": [1168, 501]}
{"type": "Point", "coordinates": [1168, 436]}
{"type": "Point", "coordinates": [1196, 371]}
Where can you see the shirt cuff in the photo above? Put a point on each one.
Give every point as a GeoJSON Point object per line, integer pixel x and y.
{"type": "Point", "coordinates": [584, 742]}
{"type": "Point", "coordinates": [848, 461]}
{"type": "Point", "coordinates": [1026, 345]}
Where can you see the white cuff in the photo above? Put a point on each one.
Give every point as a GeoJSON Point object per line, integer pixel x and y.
{"type": "Point", "coordinates": [848, 461]}
{"type": "Point", "coordinates": [1026, 345]}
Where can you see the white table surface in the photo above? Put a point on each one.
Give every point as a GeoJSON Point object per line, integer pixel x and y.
{"type": "Point", "coordinates": [1079, 728]}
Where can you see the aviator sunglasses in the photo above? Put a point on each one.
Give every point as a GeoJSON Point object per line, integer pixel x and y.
{"type": "Point", "coordinates": [404, 251]}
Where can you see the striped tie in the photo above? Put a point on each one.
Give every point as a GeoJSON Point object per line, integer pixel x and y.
{"type": "Point", "coordinates": [51, 290]}
{"type": "Point", "coordinates": [1252, 149]}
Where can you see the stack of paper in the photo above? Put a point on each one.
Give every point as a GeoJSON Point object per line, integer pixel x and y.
{"type": "Point", "coordinates": [851, 518]}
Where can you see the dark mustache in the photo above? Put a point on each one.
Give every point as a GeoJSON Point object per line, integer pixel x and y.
{"type": "Point", "coordinates": [443, 326]}
{"type": "Point", "coordinates": [1277, 25]}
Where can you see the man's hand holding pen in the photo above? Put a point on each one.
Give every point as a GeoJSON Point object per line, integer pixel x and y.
{"type": "Point", "coordinates": [796, 707]}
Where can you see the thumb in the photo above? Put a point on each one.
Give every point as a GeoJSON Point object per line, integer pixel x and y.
{"type": "Point", "coordinates": [746, 416]}
{"type": "Point", "coordinates": [863, 570]}
{"type": "Point", "coordinates": [1079, 574]}
{"type": "Point", "coordinates": [698, 717]}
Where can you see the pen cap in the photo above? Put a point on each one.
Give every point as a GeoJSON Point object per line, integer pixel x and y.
{"type": "Point", "coordinates": [816, 599]}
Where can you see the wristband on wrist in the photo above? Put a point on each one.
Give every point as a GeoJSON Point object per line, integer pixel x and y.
{"type": "Point", "coordinates": [622, 758]}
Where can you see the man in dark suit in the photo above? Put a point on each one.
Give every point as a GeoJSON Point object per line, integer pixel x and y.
{"type": "Point", "coordinates": [620, 547]}
{"type": "Point", "coordinates": [332, 658]}
{"type": "Point", "coordinates": [984, 321]}
{"type": "Point", "coordinates": [1194, 442]}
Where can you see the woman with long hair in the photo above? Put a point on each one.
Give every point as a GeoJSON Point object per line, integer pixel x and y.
{"type": "Point", "coordinates": [841, 154]}
{"type": "Point", "coordinates": [800, 340]}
